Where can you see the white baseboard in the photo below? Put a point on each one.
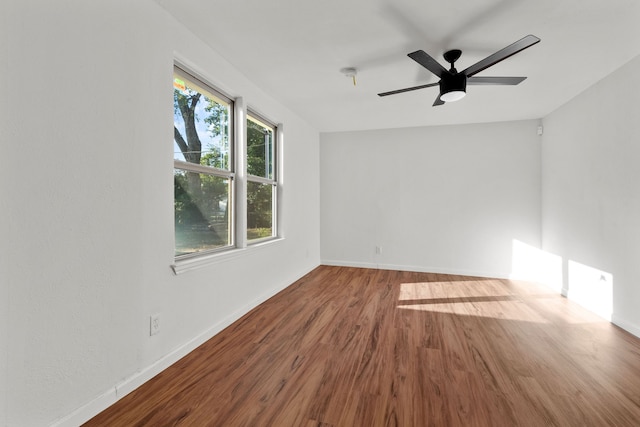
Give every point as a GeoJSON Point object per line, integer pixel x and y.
{"type": "Point", "coordinates": [418, 268]}
{"type": "Point", "coordinates": [626, 325]}
{"type": "Point", "coordinates": [111, 396]}
{"type": "Point", "coordinates": [349, 264]}
{"type": "Point", "coordinates": [453, 271]}
{"type": "Point", "coordinates": [88, 411]}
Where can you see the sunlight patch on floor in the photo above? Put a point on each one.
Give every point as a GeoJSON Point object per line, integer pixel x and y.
{"type": "Point", "coordinates": [590, 287]}
{"type": "Point", "coordinates": [466, 298]}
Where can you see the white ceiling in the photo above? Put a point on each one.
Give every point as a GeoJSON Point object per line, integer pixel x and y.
{"type": "Point", "coordinates": [294, 50]}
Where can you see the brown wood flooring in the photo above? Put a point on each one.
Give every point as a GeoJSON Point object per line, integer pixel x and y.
{"type": "Point", "coordinates": [359, 347]}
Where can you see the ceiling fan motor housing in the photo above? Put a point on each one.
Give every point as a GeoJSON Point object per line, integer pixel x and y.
{"type": "Point", "coordinates": [453, 83]}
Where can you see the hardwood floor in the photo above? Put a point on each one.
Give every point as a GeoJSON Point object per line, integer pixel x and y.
{"type": "Point", "coordinates": [359, 347]}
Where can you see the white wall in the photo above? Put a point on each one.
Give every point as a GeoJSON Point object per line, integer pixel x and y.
{"type": "Point", "coordinates": [87, 215]}
{"type": "Point", "coordinates": [446, 199]}
{"type": "Point", "coordinates": [87, 222]}
{"type": "Point", "coordinates": [591, 187]}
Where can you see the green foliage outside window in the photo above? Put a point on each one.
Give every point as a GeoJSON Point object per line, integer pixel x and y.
{"type": "Point", "coordinates": [201, 201]}
{"type": "Point", "coordinates": [260, 155]}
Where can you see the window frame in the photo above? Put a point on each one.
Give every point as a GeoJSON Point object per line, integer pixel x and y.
{"type": "Point", "coordinates": [274, 181]}
{"type": "Point", "coordinates": [230, 174]}
{"type": "Point", "coordinates": [238, 178]}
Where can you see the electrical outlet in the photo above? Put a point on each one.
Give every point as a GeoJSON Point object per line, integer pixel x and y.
{"type": "Point", "coordinates": [379, 250]}
{"type": "Point", "coordinates": [154, 324]}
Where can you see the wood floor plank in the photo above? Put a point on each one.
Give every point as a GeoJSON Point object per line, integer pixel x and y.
{"type": "Point", "coordinates": [359, 347]}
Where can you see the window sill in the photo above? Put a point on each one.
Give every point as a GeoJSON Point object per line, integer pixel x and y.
{"type": "Point", "coordinates": [194, 263]}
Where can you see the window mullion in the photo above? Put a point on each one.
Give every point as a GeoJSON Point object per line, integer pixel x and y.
{"type": "Point", "coordinates": [240, 145]}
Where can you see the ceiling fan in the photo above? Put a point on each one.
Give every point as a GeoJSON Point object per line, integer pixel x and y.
{"type": "Point", "coordinates": [453, 84]}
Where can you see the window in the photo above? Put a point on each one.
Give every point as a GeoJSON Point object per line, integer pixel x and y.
{"type": "Point", "coordinates": [203, 167]}
{"type": "Point", "coordinates": [261, 179]}
{"type": "Point", "coordinates": [219, 205]}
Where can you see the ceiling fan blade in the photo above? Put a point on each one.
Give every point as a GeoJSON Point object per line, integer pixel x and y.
{"type": "Point", "coordinates": [409, 89]}
{"type": "Point", "coordinates": [509, 81]}
{"type": "Point", "coordinates": [438, 101]}
{"type": "Point", "coordinates": [422, 58]}
{"type": "Point", "coordinates": [501, 55]}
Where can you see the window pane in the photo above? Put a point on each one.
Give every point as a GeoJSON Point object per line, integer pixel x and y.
{"type": "Point", "coordinates": [201, 123]}
{"type": "Point", "coordinates": [259, 148]}
{"type": "Point", "coordinates": [201, 206]}
{"type": "Point", "coordinates": [259, 210]}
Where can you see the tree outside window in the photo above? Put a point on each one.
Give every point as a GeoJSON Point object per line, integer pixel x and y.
{"type": "Point", "coordinates": [203, 177]}
{"type": "Point", "coordinates": [261, 183]}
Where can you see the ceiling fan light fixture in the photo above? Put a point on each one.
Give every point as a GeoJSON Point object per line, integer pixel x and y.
{"type": "Point", "coordinates": [453, 87]}
{"type": "Point", "coordinates": [454, 95]}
